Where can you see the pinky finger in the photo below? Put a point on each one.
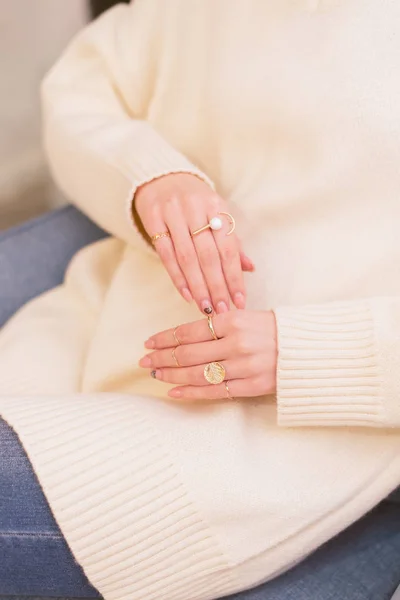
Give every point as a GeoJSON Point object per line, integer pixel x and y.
{"type": "Point", "coordinates": [246, 263]}
{"type": "Point", "coordinates": [238, 388]}
{"type": "Point", "coordinates": [166, 251]}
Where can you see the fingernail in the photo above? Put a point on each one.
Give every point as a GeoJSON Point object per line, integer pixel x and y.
{"type": "Point", "coordinates": [154, 374]}
{"type": "Point", "coordinates": [186, 295]}
{"type": "Point", "coordinates": [175, 393]}
{"type": "Point", "coordinates": [145, 362]}
{"type": "Point", "coordinates": [206, 307]}
{"type": "Point", "coordinates": [239, 300]}
{"type": "Point", "coordinates": [222, 307]}
{"type": "Point", "coordinates": [150, 344]}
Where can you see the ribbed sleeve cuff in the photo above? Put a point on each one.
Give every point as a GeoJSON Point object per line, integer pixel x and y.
{"type": "Point", "coordinates": [328, 373]}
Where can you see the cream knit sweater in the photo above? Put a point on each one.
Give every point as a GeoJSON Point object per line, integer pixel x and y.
{"type": "Point", "coordinates": [291, 108]}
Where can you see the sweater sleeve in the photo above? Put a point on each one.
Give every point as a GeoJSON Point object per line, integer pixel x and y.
{"type": "Point", "coordinates": [95, 101]}
{"type": "Point", "coordinates": [339, 364]}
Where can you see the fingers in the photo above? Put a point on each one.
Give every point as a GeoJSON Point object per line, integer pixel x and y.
{"type": "Point", "coordinates": [194, 376]}
{"type": "Point", "coordinates": [232, 268]}
{"type": "Point", "coordinates": [185, 356]}
{"type": "Point", "coordinates": [198, 215]}
{"type": "Point", "coordinates": [166, 252]}
{"type": "Point", "coordinates": [247, 263]}
{"type": "Point", "coordinates": [187, 257]}
{"type": "Point", "coordinates": [190, 333]}
{"type": "Point", "coordinates": [154, 223]}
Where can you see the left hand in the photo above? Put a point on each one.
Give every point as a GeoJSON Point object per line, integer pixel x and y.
{"type": "Point", "coordinates": [246, 347]}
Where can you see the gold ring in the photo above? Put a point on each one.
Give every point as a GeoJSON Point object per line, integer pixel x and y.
{"type": "Point", "coordinates": [228, 391]}
{"type": "Point", "coordinates": [174, 357]}
{"type": "Point", "coordinates": [178, 343]}
{"type": "Point", "coordinates": [214, 373]}
{"type": "Point", "coordinates": [211, 327]}
{"type": "Point", "coordinates": [158, 236]}
{"type": "Point", "coordinates": [216, 223]}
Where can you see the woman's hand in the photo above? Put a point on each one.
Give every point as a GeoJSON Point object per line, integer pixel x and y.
{"type": "Point", "coordinates": [246, 348]}
{"type": "Point", "coordinates": [208, 266]}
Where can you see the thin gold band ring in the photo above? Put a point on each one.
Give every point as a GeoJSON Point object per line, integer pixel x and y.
{"type": "Point", "coordinates": [178, 343]}
{"type": "Point", "coordinates": [228, 391]}
{"type": "Point", "coordinates": [174, 357]}
{"type": "Point", "coordinates": [211, 327]}
{"type": "Point", "coordinates": [158, 236]}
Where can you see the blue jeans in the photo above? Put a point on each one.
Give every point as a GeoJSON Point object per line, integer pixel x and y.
{"type": "Point", "coordinates": [362, 563]}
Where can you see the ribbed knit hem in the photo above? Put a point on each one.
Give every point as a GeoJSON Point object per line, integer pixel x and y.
{"type": "Point", "coordinates": [328, 371]}
{"type": "Point", "coordinates": [118, 499]}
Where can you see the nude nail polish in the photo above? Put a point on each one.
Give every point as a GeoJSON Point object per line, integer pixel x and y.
{"type": "Point", "coordinates": [222, 307]}
{"type": "Point", "coordinates": [145, 362]}
{"type": "Point", "coordinates": [239, 300]}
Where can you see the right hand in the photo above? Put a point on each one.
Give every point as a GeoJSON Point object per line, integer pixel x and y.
{"type": "Point", "coordinates": [207, 267]}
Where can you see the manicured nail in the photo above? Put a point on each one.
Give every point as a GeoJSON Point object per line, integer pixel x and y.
{"type": "Point", "coordinates": [239, 300]}
{"type": "Point", "coordinates": [206, 307]}
{"type": "Point", "coordinates": [222, 307]}
{"type": "Point", "coordinates": [175, 393]}
{"type": "Point", "coordinates": [145, 362]}
{"type": "Point", "coordinates": [186, 295]}
{"type": "Point", "coordinates": [150, 344]}
{"type": "Point", "coordinates": [154, 374]}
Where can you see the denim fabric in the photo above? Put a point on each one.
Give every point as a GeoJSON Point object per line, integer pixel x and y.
{"type": "Point", "coordinates": [362, 563]}
{"type": "Point", "coordinates": [34, 558]}
{"type": "Point", "coordinates": [33, 257]}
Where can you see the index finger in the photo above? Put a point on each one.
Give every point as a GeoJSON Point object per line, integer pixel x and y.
{"type": "Point", "coordinates": [189, 333]}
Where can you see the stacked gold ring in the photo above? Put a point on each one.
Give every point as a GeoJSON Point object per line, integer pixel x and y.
{"type": "Point", "coordinates": [174, 357]}
{"type": "Point", "coordinates": [158, 236]}
{"type": "Point", "coordinates": [177, 340]}
{"type": "Point", "coordinates": [228, 391]}
{"type": "Point", "coordinates": [211, 327]}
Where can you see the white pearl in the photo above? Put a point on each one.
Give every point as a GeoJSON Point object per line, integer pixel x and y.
{"type": "Point", "coordinates": [216, 223]}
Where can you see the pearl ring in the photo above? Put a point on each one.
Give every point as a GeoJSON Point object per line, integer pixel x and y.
{"type": "Point", "coordinates": [216, 223]}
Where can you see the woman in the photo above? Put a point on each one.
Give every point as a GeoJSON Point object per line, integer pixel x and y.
{"type": "Point", "coordinates": [201, 134]}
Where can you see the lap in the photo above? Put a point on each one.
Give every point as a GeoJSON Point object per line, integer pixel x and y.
{"type": "Point", "coordinates": [361, 563]}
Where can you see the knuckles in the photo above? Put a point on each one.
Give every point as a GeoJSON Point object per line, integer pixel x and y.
{"type": "Point", "coordinates": [261, 385]}
{"type": "Point", "coordinates": [185, 257]}
{"type": "Point", "coordinates": [228, 254]}
{"type": "Point", "coordinates": [207, 256]}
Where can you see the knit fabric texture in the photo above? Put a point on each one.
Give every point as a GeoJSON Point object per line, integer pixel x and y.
{"type": "Point", "coordinates": [290, 110]}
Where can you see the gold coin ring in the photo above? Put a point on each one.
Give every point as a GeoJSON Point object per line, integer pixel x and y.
{"type": "Point", "coordinates": [158, 236]}
{"type": "Point", "coordinates": [214, 373]}
{"type": "Point", "coordinates": [174, 357]}
{"type": "Point", "coordinates": [211, 327]}
{"type": "Point", "coordinates": [176, 336]}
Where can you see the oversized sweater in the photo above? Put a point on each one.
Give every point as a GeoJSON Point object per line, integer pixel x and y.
{"type": "Point", "coordinates": [290, 108]}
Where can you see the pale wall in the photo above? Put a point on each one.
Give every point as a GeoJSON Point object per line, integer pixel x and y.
{"type": "Point", "coordinates": [32, 35]}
